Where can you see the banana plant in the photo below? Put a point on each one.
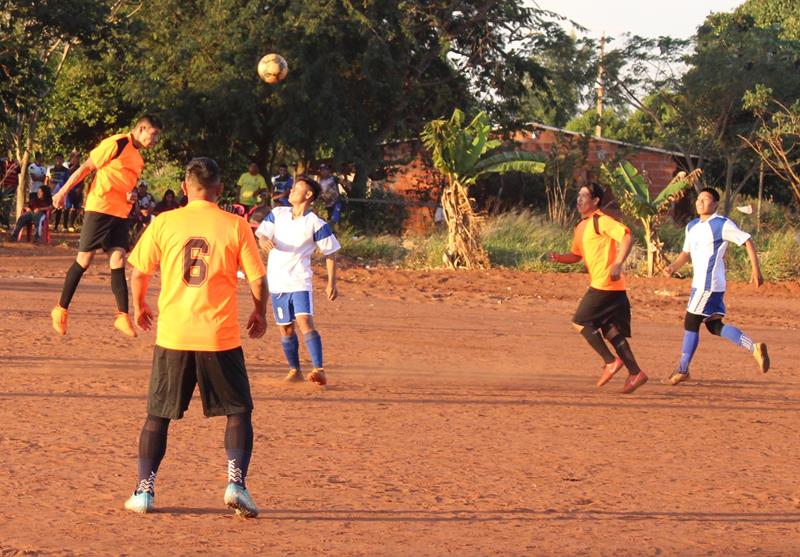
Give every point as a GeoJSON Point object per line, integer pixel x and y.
{"type": "Point", "coordinates": [459, 153]}
{"type": "Point", "coordinates": [633, 196]}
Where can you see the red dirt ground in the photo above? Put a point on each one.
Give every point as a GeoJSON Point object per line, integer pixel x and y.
{"type": "Point", "coordinates": [461, 418]}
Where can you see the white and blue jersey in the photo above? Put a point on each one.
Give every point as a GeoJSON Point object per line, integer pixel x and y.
{"type": "Point", "coordinates": [706, 242]}
{"type": "Point", "coordinates": [295, 239]}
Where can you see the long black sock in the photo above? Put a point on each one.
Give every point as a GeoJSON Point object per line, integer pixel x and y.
{"type": "Point", "coordinates": [152, 447]}
{"type": "Point", "coordinates": [239, 446]}
{"type": "Point", "coordinates": [595, 339]}
{"type": "Point", "coordinates": [625, 353]}
{"type": "Point", "coordinates": [119, 286]}
{"type": "Point", "coordinates": [71, 284]}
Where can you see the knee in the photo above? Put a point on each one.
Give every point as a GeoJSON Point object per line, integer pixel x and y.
{"type": "Point", "coordinates": [117, 259]}
{"type": "Point", "coordinates": [85, 258]}
{"type": "Point", "coordinates": [578, 327]}
{"type": "Point", "coordinates": [714, 326]}
{"type": "Point", "coordinates": [305, 323]}
{"type": "Point", "coordinates": [287, 330]}
{"type": "Point", "coordinates": [691, 322]}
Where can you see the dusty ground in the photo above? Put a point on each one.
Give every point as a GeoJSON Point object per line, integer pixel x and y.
{"type": "Point", "coordinates": [461, 418]}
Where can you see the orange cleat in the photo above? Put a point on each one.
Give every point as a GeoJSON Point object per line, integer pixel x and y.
{"type": "Point", "coordinates": [633, 382]}
{"type": "Point", "coordinates": [59, 316]}
{"type": "Point", "coordinates": [608, 372]}
{"type": "Point", "coordinates": [318, 376]}
{"type": "Point", "coordinates": [124, 324]}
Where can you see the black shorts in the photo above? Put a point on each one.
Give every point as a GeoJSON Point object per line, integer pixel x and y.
{"type": "Point", "coordinates": [103, 231]}
{"type": "Point", "coordinates": [222, 377]}
{"type": "Point", "coordinates": [599, 308]}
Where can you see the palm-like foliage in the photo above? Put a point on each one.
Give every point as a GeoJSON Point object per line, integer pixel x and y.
{"type": "Point", "coordinates": [459, 152]}
{"type": "Point", "coordinates": [633, 196]}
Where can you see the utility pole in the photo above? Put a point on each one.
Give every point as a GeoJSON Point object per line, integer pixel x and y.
{"type": "Point", "coordinates": [600, 88]}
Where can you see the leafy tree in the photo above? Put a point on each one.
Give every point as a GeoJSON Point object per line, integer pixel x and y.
{"type": "Point", "coordinates": [633, 195]}
{"type": "Point", "coordinates": [459, 152]}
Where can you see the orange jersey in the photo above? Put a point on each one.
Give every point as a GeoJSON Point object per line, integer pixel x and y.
{"type": "Point", "coordinates": [199, 248]}
{"type": "Point", "coordinates": [119, 165]}
{"type": "Point", "coordinates": [598, 248]}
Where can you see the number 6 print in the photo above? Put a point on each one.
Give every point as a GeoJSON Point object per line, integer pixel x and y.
{"type": "Point", "coordinates": [195, 269]}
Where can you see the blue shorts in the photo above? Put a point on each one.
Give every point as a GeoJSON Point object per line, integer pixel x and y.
{"type": "Point", "coordinates": [287, 305]}
{"type": "Point", "coordinates": [705, 302]}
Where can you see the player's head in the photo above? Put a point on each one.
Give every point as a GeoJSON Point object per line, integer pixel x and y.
{"type": "Point", "coordinates": [283, 170]}
{"type": "Point", "coordinates": [324, 170]}
{"type": "Point", "coordinates": [304, 190]}
{"type": "Point", "coordinates": [37, 158]}
{"type": "Point", "coordinates": [707, 201]}
{"type": "Point", "coordinates": [169, 196]}
{"type": "Point", "coordinates": [590, 197]}
{"type": "Point", "coordinates": [147, 130]}
{"type": "Point", "coordinates": [59, 158]}
{"type": "Point", "coordinates": [202, 180]}
{"type": "Point", "coordinates": [142, 186]}
{"type": "Point", "coordinates": [252, 167]}
{"type": "Point", "coordinates": [74, 158]}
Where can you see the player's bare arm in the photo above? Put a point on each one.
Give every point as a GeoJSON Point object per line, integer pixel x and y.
{"type": "Point", "coordinates": [566, 258]}
{"type": "Point", "coordinates": [266, 244]}
{"type": "Point", "coordinates": [330, 265]}
{"type": "Point", "coordinates": [756, 278]}
{"type": "Point", "coordinates": [76, 178]}
{"type": "Point", "coordinates": [142, 314]}
{"type": "Point", "coordinates": [257, 322]}
{"type": "Point", "coordinates": [680, 261]}
{"type": "Point", "coordinates": [624, 250]}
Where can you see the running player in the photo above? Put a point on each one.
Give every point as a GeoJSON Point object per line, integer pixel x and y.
{"type": "Point", "coordinates": [198, 249]}
{"type": "Point", "coordinates": [604, 312]}
{"type": "Point", "coordinates": [118, 164]}
{"type": "Point", "coordinates": [705, 243]}
{"type": "Point", "coordinates": [291, 235]}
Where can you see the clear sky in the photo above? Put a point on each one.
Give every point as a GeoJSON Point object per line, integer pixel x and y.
{"type": "Point", "coordinates": [648, 18]}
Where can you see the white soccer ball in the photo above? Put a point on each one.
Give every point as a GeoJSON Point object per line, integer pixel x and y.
{"type": "Point", "coordinates": [272, 68]}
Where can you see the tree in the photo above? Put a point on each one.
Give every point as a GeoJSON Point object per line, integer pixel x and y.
{"type": "Point", "coordinates": [459, 152]}
{"type": "Point", "coordinates": [633, 195]}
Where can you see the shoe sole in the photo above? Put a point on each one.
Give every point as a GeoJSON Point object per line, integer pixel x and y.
{"type": "Point", "coordinates": [764, 363]}
{"type": "Point", "coordinates": [629, 391]}
{"type": "Point", "coordinates": [241, 510]}
{"type": "Point", "coordinates": [670, 382]}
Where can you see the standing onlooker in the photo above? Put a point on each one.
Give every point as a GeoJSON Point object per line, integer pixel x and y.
{"type": "Point", "coordinates": [74, 202]}
{"type": "Point", "coordinates": [281, 184]}
{"type": "Point", "coordinates": [55, 178]}
{"type": "Point", "coordinates": [36, 175]}
{"type": "Point", "coordinates": [248, 185]}
{"type": "Point", "coordinates": [330, 193]}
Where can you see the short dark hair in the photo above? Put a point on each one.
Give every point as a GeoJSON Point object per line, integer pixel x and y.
{"type": "Point", "coordinates": [57, 155]}
{"type": "Point", "coordinates": [151, 119]}
{"type": "Point", "coordinates": [714, 193]}
{"type": "Point", "coordinates": [313, 185]}
{"type": "Point", "coordinates": [596, 191]}
{"type": "Point", "coordinates": [203, 171]}
{"type": "Point", "coordinates": [252, 161]}
{"type": "Point", "coordinates": [283, 165]}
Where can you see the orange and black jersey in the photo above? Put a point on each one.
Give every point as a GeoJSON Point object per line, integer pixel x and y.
{"type": "Point", "coordinates": [119, 165]}
{"type": "Point", "coordinates": [595, 240]}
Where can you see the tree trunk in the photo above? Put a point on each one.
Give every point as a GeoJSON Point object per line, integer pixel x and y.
{"type": "Point", "coordinates": [464, 249]}
{"type": "Point", "coordinates": [22, 178]}
{"type": "Point", "coordinates": [655, 247]}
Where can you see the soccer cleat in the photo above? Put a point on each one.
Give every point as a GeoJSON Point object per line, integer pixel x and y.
{"type": "Point", "coordinates": [608, 372]}
{"type": "Point", "coordinates": [294, 376]}
{"type": "Point", "coordinates": [761, 356]}
{"type": "Point", "coordinates": [238, 499]}
{"type": "Point", "coordinates": [633, 382]}
{"type": "Point", "coordinates": [141, 502]}
{"type": "Point", "coordinates": [675, 378]}
{"type": "Point", "coordinates": [122, 322]}
{"type": "Point", "coordinates": [59, 316]}
{"type": "Point", "coordinates": [317, 376]}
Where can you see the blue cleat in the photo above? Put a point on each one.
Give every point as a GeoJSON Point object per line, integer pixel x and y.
{"type": "Point", "coordinates": [140, 502]}
{"type": "Point", "coordinates": [238, 499]}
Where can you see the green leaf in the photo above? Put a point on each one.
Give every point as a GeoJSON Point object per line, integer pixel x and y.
{"type": "Point", "coordinates": [515, 161]}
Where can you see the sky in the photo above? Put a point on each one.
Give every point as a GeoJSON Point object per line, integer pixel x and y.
{"type": "Point", "coordinates": [648, 18]}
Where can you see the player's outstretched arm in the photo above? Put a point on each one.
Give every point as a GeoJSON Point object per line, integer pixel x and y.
{"type": "Point", "coordinates": [83, 171]}
{"type": "Point", "coordinates": [142, 314]}
{"type": "Point", "coordinates": [567, 258]}
{"type": "Point", "coordinates": [756, 277]}
{"type": "Point", "coordinates": [680, 261]}
{"type": "Point", "coordinates": [257, 323]}
{"type": "Point", "coordinates": [330, 265]}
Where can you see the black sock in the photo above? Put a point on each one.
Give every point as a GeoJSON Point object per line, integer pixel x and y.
{"type": "Point", "coordinates": [239, 446]}
{"type": "Point", "coordinates": [152, 447]}
{"type": "Point", "coordinates": [119, 286]}
{"type": "Point", "coordinates": [71, 284]}
{"type": "Point", "coordinates": [595, 339]}
{"type": "Point", "coordinates": [625, 353]}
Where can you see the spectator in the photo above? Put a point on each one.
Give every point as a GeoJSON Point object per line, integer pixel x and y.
{"type": "Point", "coordinates": [36, 175]}
{"type": "Point", "coordinates": [142, 211]}
{"type": "Point", "coordinates": [54, 179]}
{"type": "Point", "coordinates": [329, 195]}
{"type": "Point", "coordinates": [34, 214]}
{"type": "Point", "coordinates": [74, 203]}
{"type": "Point", "coordinates": [281, 184]}
{"type": "Point", "coordinates": [260, 211]}
{"type": "Point", "coordinates": [248, 186]}
{"type": "Point", "coordinates": [167, 203]}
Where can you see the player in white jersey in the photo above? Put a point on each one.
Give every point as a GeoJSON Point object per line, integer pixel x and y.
{"type": "Point", "coordinates": [291, 235]}
{"type": "Point", "coordinates": [705, 243]}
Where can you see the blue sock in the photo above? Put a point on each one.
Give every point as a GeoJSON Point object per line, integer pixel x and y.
{"type": "Point", "coordinates": [690, 341]}
{"type": "Point", "coordinates": [314, 344]}
{"type": "Point", "coordinates": [290, 349]}
{"type": "Point", "coordinates": [737, 337]}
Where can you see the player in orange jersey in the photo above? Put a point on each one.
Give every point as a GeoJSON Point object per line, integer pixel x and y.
{"type": "Point", "coordinates": [117, 164]}
{"type": "Point", "coordinates": [198, 249]}
{"type": "Point", "coordinates": [604, 312]}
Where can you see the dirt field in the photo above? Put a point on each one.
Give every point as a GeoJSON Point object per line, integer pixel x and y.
{"type": "Point", "coordinates": [461, 418]}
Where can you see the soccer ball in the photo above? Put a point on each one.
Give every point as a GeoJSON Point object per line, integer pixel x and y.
{"type": "Point", "coordinates": [272, 68]}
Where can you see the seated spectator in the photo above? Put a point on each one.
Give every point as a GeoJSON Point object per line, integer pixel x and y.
{"type": "Point", "coordinates": [74, 204]}
{"type": "Point", "coordinates": [167, 203]}
{"type": "Point", "coordinates": [281, 185]}
{"type": "Point", "coordinates": [34, 214]}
